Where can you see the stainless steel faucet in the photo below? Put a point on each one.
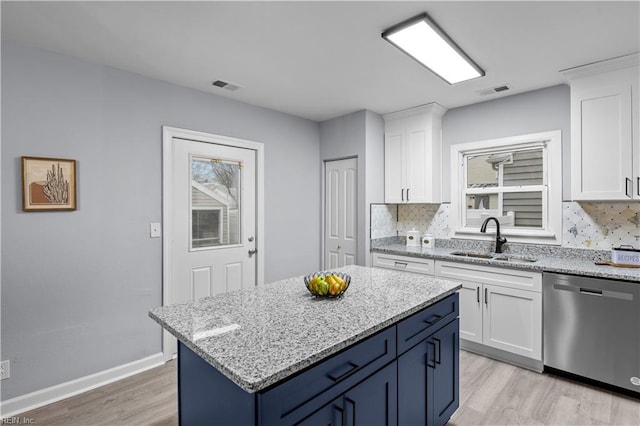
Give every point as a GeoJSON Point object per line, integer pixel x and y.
{"type": "Point", "coordinates": [499, 239]}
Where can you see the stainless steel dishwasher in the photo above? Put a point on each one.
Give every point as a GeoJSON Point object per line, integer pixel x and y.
{"type": "Point", "coordinates": [592, 328]}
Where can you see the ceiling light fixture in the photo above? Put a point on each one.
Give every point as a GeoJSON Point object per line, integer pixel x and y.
{"type": "Point", "coordinates": [423, 40]}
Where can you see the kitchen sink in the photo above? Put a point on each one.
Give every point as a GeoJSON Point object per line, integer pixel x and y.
{"type": "Point", "coordinates": [472, 254]}
{"type": "Point", "coordinates": [493, 256]}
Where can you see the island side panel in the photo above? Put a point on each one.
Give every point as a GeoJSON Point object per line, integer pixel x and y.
{"type": "Point", "coordinates": [206, 396]}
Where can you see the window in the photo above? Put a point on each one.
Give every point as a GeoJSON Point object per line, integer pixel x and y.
{"type": "Point", "coordinates": [517, 180]}
{"type": "Point", "coordinates": [215, 206]}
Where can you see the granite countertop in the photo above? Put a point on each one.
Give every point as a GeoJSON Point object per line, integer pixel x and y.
{"type": "Point", "coordinates": [568, 261]}
{"type": "Point", "coordinates": [261, 336]}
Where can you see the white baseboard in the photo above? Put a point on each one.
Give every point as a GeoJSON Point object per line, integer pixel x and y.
{"type": "Point", "coordinates": [30, 401]}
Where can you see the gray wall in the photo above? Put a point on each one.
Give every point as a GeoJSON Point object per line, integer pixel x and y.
{"type": "Point", "coordinates": [374, 141]}
{"type": "Point", "coordinates": [359, 134]}
{"type": "Point", "coordinates": [344, 137]}
{"type": "Point", "coordinates": [77, 286]}
{"type": "Point", "coordinates": [531, 112]}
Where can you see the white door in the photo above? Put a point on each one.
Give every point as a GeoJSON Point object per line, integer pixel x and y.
{"type": "Point", "coordinates": [213, 217]}
{"type": "Point", "coordinates": [341, 196]}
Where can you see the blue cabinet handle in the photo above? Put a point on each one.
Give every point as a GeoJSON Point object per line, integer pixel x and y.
{"type": "Point", "coordinates": [432, 319]}
{"type": "Point", "coordinates": [343, 372]}
{"type": "Point", "coordinates": [436, 349]}
{"type": "Point", "coordinates": [431, 363]}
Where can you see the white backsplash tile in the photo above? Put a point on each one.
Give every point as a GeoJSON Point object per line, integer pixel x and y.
{"type": "Point", "coordinates": [432, 218]}
{"type": "Point", "coordinates": [383, 220]}
{"type": "Point", "coordinates": [592, 225]}
{"type": "Point", "coordinates": [600, 225]}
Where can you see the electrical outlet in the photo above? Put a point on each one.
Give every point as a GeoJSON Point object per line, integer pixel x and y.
{"type": "Point", "coordinates": [4, 370]}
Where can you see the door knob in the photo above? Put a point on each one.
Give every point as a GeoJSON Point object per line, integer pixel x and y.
{"type": "Point", "coordinates": [251, 239]}
{"type": "Point", "coordinates": [252, 252]}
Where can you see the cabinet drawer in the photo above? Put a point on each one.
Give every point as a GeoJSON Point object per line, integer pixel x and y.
{"type": "Point", "coordinates": [316, 386]}
{"type": "Point", "coordinates": [424, 323]}
{"type": "Point", "coordinates": [505, 277]}
{"type": "Point", "coordinates": [404, 263]}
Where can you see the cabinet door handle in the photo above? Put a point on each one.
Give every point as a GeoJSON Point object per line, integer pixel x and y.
{"type": "Point", "coordinates": [431, 363]}
{"type": "Point", "coordinates": [407, 194]}
{"type": "Point", "coordinates": [486, 297]}
{"type": "Point", "coordinates": [349, 420]}
{"type": "Point", "coordinates": [400, 264]}
{"type": "Point", "coordinates": [402, 192]}
{"type": "Point", "coordinates": [437, 350]}
{"type": "Point", "coordinates": [336, 376]}
{"type": "Point", "coordinates": [627, 182]}
{"type": "Point", "coordinates": [638, 186]}
{"type": "Point", "coordinates": [339, 415]}
{"type": "Point", "coordinates": [478, 293]}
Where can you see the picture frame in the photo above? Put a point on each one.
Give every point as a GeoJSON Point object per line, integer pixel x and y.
{"type": "Point", "coordinates": [48, 184]}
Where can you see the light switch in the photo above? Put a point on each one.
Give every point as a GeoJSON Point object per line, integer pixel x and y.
{"type": "Point", "coordinates": [155, 230]}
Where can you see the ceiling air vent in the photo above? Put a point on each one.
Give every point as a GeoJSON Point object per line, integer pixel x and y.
{"type": "Point", "coordinates": [225, 85]}
{"type": "Point", "coordinates": [493, 90]}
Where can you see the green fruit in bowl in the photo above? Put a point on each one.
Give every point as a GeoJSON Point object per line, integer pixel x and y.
{"type": "Point", "coordinates": [322, 288]}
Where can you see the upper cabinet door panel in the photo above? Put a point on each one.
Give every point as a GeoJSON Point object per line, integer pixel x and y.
{"type": "Point", "coordinates": [603, 147]}
{"type": "Point", "coordinates": [413, 155]}
{"type": "Point", "coordinates": [394, 168]}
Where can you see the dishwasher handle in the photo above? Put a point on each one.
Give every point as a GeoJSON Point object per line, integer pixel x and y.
{"type": "Point", "coordinates": [590, 291]}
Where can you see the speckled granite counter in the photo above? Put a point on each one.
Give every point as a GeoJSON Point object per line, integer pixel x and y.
{"type": "Point", "coordinates": [261, 336]}
{"type": "Point", "coordinates": [563, 261]}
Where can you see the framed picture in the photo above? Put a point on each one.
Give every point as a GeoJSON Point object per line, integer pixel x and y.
{"type": "Point", "coordinates": [48, 184]}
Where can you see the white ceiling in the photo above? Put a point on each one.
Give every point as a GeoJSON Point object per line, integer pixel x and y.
{"type": "Point", "coordinates": [320, 60]}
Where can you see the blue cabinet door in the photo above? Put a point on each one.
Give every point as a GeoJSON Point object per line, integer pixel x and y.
{"type": "Point", "coordinates": [428, 392]}
{"type": "Point", "coordinates": [445, 395]}
{"type": "Point", "coordinates": [372, 402]}
{"type": "Point", "coordinates": [331, 414]}
{"type": "Point", "coordinates": [413, 393]}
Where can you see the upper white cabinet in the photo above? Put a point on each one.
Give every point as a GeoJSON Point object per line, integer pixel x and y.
{"type": "Point", "coordinates": [412, 152]}
{"type": "Point", "coordinates": [605, 146]}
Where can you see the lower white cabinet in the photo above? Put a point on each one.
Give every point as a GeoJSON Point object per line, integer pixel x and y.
{"type": "Point", "coordinates": [403, 263]}
{"type": "Point", "coordinates": [503, 316]}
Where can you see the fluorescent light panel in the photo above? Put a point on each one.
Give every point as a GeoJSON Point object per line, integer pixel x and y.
{"type": "Point", "coordinates": [423, 40]}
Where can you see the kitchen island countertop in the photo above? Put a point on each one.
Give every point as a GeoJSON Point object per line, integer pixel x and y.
{"type": "Point", "coordinates": [263, 335]}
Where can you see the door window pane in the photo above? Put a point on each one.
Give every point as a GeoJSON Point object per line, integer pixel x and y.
{"type": "Point", "coordinates": [215, 202]}
{"type": "Point", "coordinates": [205, 227]}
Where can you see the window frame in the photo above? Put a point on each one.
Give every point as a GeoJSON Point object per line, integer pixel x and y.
{"type": "Point", "coordinates": [551, 189]}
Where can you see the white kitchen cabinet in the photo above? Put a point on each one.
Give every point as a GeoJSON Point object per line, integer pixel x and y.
{"type": "Point", "coordinates": [413, 155]}
{"type": "Point", "coordinates": [417, 265]}
{"type": "Point", "coordinates": [499, 307]}
{"type": "Point", "coordinates": [605, 145]}
{"type": "Point", "coordinates": [512, 320]}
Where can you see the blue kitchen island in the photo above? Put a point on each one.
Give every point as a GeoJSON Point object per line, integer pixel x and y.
{"type": "Point", "coordinates": [385, 353]}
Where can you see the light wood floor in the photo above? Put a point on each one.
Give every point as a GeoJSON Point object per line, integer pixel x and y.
{"type": "Point", "coordinates": [491, 393]}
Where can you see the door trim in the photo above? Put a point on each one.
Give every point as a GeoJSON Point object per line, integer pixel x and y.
{"type": "Point", "coordinates": [168, 133]}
